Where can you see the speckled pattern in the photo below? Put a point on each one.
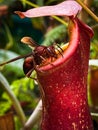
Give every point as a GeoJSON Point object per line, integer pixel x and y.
{"type": "Point", "coordinates": [65, 104]}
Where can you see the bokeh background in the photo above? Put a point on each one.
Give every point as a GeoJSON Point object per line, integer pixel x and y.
{"type": "Point", "coordinates": [45, 31]}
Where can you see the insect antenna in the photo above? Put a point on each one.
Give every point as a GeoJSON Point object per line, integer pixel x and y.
{"type": "Point", "coordinates": [17, 58]}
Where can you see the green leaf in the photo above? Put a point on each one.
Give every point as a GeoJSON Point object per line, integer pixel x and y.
{"type": "Point", "coordinates": [57, 34]}
{"type": "Point", "coordinates": [4, 106]}
{"type": "Point", "coordinates": [23, 89]}
{"type": "Point", "coordinates": [11, 70]}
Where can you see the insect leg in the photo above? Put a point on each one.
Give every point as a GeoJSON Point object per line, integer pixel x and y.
{"type": "Point", "coordinates": [51, 52]}
{"type": "Point", "coordinates": [45, 60]}
{"type": "Point", "coordinates": [17, 58]}
{"type": "Point", "coordinates": [59, 47]}
{"type": "Point", "coordinates": [29, 73]}
{"type": "Point", "coordinates": [59, 52]}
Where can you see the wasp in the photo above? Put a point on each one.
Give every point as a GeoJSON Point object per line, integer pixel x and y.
{"type": "Point", "coordinates": [37, 57]}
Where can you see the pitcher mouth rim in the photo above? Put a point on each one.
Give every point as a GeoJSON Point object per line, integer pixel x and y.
{"type": "Point", "coordinates": [69, 50]}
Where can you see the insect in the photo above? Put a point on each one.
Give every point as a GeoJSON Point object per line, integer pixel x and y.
{"type": "Point", "coordinates": [37, 57]}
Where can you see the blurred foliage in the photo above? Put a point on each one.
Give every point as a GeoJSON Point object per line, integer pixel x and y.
{"type": "Point", "coordinates": [58, 34]}
{"type": "Point", "coordinates": [25, 93]}
{"type": "Point", "coordinates": [94, 44]}
{"type": "Point", "coordinates": [7, 2]}
{"type": "Point", "coordinates": [12, 70]}
{"type": "Point", "coordinates": [45, 31]}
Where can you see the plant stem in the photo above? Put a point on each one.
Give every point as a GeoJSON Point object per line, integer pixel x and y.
{"type": "Point", "coordinates": [30, 3]}
{"type": "Point", "coordinates": [88, 10]}
{"type": "Point", "coordinates": [15, 102]}
{"type": "Point", "coordinates": [35, 116]}
{"type": "Point", "coordinates": [60, 20]}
